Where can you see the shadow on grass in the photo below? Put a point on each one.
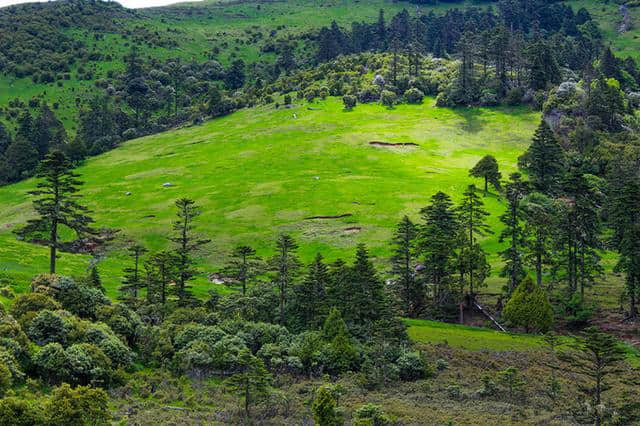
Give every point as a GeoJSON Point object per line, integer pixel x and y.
{"type": "Point", "coordinates": [472, 122]}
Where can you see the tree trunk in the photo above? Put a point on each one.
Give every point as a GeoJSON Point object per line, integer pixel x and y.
{"type": "Point", "coordinates": [53, 248]}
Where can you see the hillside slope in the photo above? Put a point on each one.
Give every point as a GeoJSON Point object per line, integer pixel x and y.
{"type": "Point", "coordinates": [261, 171]}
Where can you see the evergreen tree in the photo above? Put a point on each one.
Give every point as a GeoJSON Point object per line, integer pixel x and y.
{"type": "Point", "coordinates": [251, 380]}
{"type": "Point", "coordinates": [56, 205]}
{"type": "Point", "coordinates": [438, 240]}
{"type": "Point", "coordinates": [381, 31]}
{"type": "Point", "coordinates": [243, 266]}
{"type": "Point", "coordinates": [582, 228]}
{"type": "Point", "coordinates": [472, 216]}
{"type": "Point", "coordinates": [595, 356]}
{"type": "Point", "coordinates": [543, 66]}
{"type": "Point", "coordinates": [309, 298]}
{"type": "Point", "coordinates": [529, 307]}
{"type": "Point", "coordinates": [48, 132]}
{"type": "Point", "coordinates": [403, 266]}
{"type": "Point", "coordinates": [286, 265]}
{"type": "Point", "coordinates": [235, 76]}
{"type": "Point", "coordinates": [21, 158]}
{"type": "Point", "coordinates": [161, 270]}
{"type": "Point", "coordinates": [544, 160]}
{"type": "Point", "coordinates": [133, 280]}
{"type": "Point", "coordinates": [94, 280]}
{"type": "Point", "coordinates": [5, 139]}
{"type": "Point", "coordinates": [623, 210]}
{"type": "Point", "coordinates": [187, 245]}
{"type": "Point", "coordinates": [369, 303]}
{"type": "Point", "coordinates": [324, 408]}
{"type": "Point", "coordinates": [487, 168]}
{"type": "Point", "coordinates": [514, 232]}
{"type": "Point", "coordinates": [541, 225]}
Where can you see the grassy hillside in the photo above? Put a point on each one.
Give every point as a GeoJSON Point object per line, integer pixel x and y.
{"type": "Point", "coordinates": [609, 16]}
{"type": "Point", "coordinates": [260, 172]}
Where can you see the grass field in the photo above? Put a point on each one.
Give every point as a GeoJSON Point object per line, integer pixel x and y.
{"type": "Point", "coordinates": [261, 172]}
{"type": "Point", "coordinates": [484, 339]}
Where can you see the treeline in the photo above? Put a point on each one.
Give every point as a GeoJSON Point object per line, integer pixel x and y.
{"type": "Point", "coordinates": [34, 41]}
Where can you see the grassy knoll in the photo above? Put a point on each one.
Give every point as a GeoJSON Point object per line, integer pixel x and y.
{"type": "Point", "coordinates": [260, 172]}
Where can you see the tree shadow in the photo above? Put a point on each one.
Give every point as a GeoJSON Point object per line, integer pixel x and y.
{"type": "Point", "coordinates": [472, 120]}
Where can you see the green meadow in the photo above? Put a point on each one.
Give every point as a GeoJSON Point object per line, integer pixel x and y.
{"type": "Point", "coordinates": [260, 172]}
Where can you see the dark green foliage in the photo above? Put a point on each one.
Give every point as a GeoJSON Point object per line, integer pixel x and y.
{"type": "Point", "coordinates": [541, 216]}
{"type": "Point", "coordinates": [403, 264]}
{"type": "Point", "coordinates": [544, 160]}
{"type": "Point", "coordinates": [487, 168]}
{"type": "Point", "coordinates": [285, 265]}
{"type": "Point", "coordinates": [133, 279]}
{"type": "Point", "coordinates": [56, 206]}
{"type": "Point", "coordinates": [243, 266]}
{"type": "Point", "coordinates": [79, 299]}
{"type": "Point", "coordinates": [309, 306]}
{"type": "Point", "coordinates": [160, 270]}
{"type": "Point", "coordinates": [49, 327]}
{"type": "Point", "coordinates": [529, 308]}
{"type": "Point", "coordinates": [21, 159]}
{"type": "Point", "coordinates": [472, 217]}
{"type": "Point", "coordinates": [187, 246]}
{"type": "Point", "coordinates": [514, 232]}
{"type": "Point", "coordinates": [26, 306]}
{"type": "Point", "coordinates": [438, 240]}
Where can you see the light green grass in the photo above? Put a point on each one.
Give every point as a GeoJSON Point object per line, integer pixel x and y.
{"type": "Point", "coordinates": [260, 172]}
{"type": "Point", "coordinates": [485, 339]}
{"type": "Point", "coordinates": [470, 338]}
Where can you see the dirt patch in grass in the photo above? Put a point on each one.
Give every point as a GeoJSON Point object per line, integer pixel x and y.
{"type": "Point", "coordinates": [352, 230]}
{"type": "Point", "coordinates": [149, 216]}
{"type": "Point", "coordinates": [392, 145]}
{"type": "Point", "coordinates": [340, 216]}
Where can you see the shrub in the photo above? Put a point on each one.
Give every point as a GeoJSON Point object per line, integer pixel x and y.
{"type": "Point", "coordinates": [514, 96]}
{"type": "Point", "coordinates": [5, 378]}
{"type": "Point", "coordinates": [88, 364]}
{"type": "Point", "coordinates": [16, 411]}
{"type": "Point", "coordinates": [79, 406]}
{"type": "Point", "coordinates": [324, 407]}
{"type": "Point", "coordinates": [370, 414]}
{"type": "Point", "coordinates": [387, 98]}
{"type": "Point", "coordinates": [412, 366]}
{"type": "Point", "coordinates": [49, 327]}
{"type": "Point", "coordinates": [349, 102]}
{"type": "Point", "coordinates": [52, 363]}
{"type": "Point", "coordinates": [31, 303]}
{"type": "Point", "coordinates": [79, 299]}
{"type": "Point", "coordinates": [414, 96]}
{"type": "Point", "coordinates": [287, 99]}
{"type": "Point", "coordinates": [529, 307]}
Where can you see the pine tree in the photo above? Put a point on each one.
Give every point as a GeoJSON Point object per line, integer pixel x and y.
{"type": "Point", "coordinates": [243, 266]}
{"type": "Point", "coordinates": [529, 307]}
{"type": "Point", "coordinates": [21, 158]}
{"type": "Point", "coordinates": [133, 280]}
{"type": "Point", "coordinates": [381, 31]}
{"type": "Point", "coordinates": [596, 356]}
{"type": "Point", "coordinates": [514, 232]}
{"type": "Point", "coordinates": [5, 139]}
{"type": "Point", "coordinates": [251, 380]}
{"type": "Point", "coordinates": [56, 206]}
{"type": "Point", "coordinates": [309, 298]}
{"type": "Point", "coordinates": [487, 168]}
{"type": "Point", "coordinates": [286, 265]}
{"type": "Point", "coordinates": [544, 160]}
{"type": "Point", "coordinates": [438, 241]}
{"type": "Point", "coordinates": [187, 246]}
{"type": "Point", "coordinates": [369, 303]}
{"type": "Point", "coordinates": [403, 266]}
{"type": "Point", "coordinates": [94, 280]}
{"type": "Point", "coordinates": [623, 210]}
{"type": "Point", "coordinates": [472, 216]}
{"type": "Point", "coordinates": [161, 271]}
{"type": "Point", "coordinates": [541, 225]}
